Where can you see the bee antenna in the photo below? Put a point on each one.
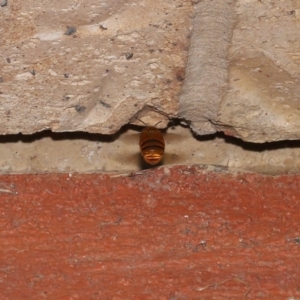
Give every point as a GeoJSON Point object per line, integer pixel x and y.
{"type": "Point", "coordinates": [142, 122]}
{"type": "Point", "coordinates": [157, 123]}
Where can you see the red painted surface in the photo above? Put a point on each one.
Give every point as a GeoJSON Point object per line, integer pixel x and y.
{"type": "Point", "coordinates": [169, 235]}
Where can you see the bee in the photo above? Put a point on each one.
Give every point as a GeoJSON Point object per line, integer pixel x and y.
{"type": "Point", "coordinates": [152, 144]}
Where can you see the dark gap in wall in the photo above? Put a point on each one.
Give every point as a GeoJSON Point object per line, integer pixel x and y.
{"type": "Point", "coordinates": [255, 147]}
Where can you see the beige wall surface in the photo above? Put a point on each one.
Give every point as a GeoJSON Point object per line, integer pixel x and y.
{"type": "Point", "coordinates": [94, 66]}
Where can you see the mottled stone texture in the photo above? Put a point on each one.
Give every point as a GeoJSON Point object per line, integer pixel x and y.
{"type": "Point", "coordinates": [260, 102]}
{"type": "Point", "coordinates": [206, 72]}
{"type": "Point", "coordinates": [263, 100]}
{"type": "Point", "coordinates": [95, 66]}
{"type": "Point", "coordinates": [90, 65]}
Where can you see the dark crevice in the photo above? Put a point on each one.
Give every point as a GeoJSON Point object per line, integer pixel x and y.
{"type": "Point", "coordinates": [57, 136]}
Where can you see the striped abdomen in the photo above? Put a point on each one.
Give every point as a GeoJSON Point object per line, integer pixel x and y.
{"type": "Point", "coordinates": [152, 145]}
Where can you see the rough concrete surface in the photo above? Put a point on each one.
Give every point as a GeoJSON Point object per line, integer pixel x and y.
{"type": "Point", "coordinates": [96, 66]}
{"type": "Point", "coordinates": [179, 233]}
{"type": "Point", "coordinates": [90, 65]}
{"type": "Point", "coordinates": [261, 100]}
{"type": "Point", "coordinates": [86, 66]}
{"type": "Point", "coordinates": [206, 71]}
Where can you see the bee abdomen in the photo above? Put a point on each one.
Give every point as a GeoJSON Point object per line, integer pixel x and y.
{"type": "Point", "coordinates": [149, 144]}
{"type": "Point", "coordinates": [152, 151]}
{"type": "Point", "coordinates": [152, 145]}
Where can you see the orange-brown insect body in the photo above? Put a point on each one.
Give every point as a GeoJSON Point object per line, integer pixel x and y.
{"type": "Point", "coordinates": [152, 145]}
